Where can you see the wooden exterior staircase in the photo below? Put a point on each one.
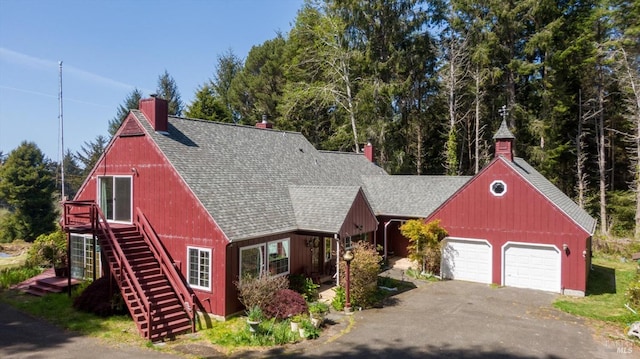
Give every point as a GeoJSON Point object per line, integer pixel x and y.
{"type": "Point", "coordinates": [159, 301]}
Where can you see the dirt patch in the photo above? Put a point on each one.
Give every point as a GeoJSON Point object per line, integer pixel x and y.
{"type": "Point", "coordinates": [199, 350]}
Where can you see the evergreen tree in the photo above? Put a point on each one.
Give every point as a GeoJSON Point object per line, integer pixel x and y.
{"type": "Point", "coordinates": [257, 89]}
{"type": "Point", "coordinates": [228, 67]}
{"type": "Point", "coordinates": [213, 99]}
{"type": "Point", "coordinates": [90, 153]}
{"type": "Point", "coordinates": [27, 186]}
{"type": "Point", "coordinates": [208, 106]}
{"type": "Point", "coordinates": [168, 90]}
{"type": "Point", "coordinates": [73, 177]}
{"type": "Point", "coordinates": [131, 102]}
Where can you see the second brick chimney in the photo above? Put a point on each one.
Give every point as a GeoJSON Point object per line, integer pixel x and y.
{"type": "Point", "coordinates": [368, 151]}
{"type": "Point", "coordinates": [156, 110]}
{"type": "Point", "coordinates": [264, 123]}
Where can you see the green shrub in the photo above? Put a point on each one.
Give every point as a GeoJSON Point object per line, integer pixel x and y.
{"type": "Point", "coordinates": [310, 331]}
{"type": "Point", "coordinates": [282, 333]}
{"type": "Point", "coordinates": [633, 294]}
{"type": "Point", "coordinates": [304, 286]}
{"type": "Point", "coordinates": [49, 250]}
{"type": "Point", "coordinates": [424, 243]}
{"type": "Point", "coordinates": [365, 268]}
{"type": "Point", "coordinates": [338, 299]}
{"type": "Point", "coordinates": [320, 308]}
{"type": "Point", "coordinates": [11, 276]}
{"type": "Point", "coordinates": [259, 291]}
{"type": "Point", "coordinates": [621, 207]}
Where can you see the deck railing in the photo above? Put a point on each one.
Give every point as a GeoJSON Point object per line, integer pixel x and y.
{"type": "Point", "coordinates": [87, 213]}
{"type": "Point", "coordinates": [187, 298]}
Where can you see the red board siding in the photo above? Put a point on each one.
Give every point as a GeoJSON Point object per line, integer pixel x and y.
{"type": "Point", "coordinates": [360, 218]}
{"type": "Point", "coordinates": [175, 214]}
{"type": "Point", "coordinates": [522, 214]}
{"type": "Point", "coordinates": [396, 242]}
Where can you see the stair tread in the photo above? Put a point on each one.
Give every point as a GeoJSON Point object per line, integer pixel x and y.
{"type": "Point", "coordinates": [169, 317]}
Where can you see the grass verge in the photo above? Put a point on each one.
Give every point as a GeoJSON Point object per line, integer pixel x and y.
{"type": "Point", "coordinates": [57, 309]}
{"type": "Point", "coordinates": [605, 299]}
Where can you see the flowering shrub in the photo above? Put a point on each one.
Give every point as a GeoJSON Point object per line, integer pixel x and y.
{"type": "Point", "coordinates": [424, 243]}
{"type": "Point", "coordinates": [285, 303]}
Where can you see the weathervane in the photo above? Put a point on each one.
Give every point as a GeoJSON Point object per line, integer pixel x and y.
{"type": "Point", "coordinates": [503, 112]}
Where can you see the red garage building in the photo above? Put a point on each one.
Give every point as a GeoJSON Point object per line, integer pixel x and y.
{"type": "Point", "coordinates": [509, 225]}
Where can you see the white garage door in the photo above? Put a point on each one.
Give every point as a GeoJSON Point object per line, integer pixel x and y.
{"type": "Point", "coordinates": [466, 259]}
{"type": "Point", "coordinates": [532, 266]}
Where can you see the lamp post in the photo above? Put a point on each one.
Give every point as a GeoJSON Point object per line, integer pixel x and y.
{"type": "Point", "coordinates": [348, 257]}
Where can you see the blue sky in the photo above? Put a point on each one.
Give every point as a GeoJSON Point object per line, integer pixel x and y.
{"type": "Point", "coordinates": [108, 48]}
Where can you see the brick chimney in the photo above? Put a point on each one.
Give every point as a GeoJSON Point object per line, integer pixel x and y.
{"type": "Point", "coordinates": [156, 110]}
{"type": "Point", "coordinates": [368, 151]}
{"type": "Point", "coordinates": [264, 123]}
{"type": "Point", "coordinates": [504, 141]}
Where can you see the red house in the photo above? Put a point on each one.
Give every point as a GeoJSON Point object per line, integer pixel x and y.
{"type": "Point", "coordinates": [175, 198]}
{"type": "Point", "coordinates": [509, 225]}
{"type": "Point", "coordinates": [178, 210]}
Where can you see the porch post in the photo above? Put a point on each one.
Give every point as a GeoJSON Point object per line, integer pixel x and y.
{"type": "Point", "coordinates": [335, 236]}
{"type": "Point", "coordinates": [68, 263]}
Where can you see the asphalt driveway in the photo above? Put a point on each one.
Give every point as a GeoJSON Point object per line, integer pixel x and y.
{"type": "Point", "coordinates": [23, 336]}
{"type": "Point", "coordinates": [451, 319]}
{"type": "Point", "coordinates": [455, 319]}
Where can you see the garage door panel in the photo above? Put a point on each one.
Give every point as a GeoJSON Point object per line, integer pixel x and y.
{"type": "Point", "coordinates": [464, 259]}
{"type": "Point", "coordinates": [531, 266]}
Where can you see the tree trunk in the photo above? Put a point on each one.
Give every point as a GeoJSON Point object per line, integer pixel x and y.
{"type": "Point", "coordinates": [602, 170]}
{"type": "Point", "coordinates": [580, 155]}
{"type": "Point", "coordinates": [477, 130]}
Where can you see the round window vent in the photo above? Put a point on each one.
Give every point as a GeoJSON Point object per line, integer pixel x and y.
{"type": "Point", "coordinates": [498, 188]}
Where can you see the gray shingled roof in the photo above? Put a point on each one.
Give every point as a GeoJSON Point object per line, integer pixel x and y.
{"type": "Point", "coordinates": [503, 132]}
{"type": "Point", "coordinates": [242, 174]}
{"type": "Point", "coordinates": [410, 196]}
{"type": "Point", "coordinates": [322, 208]}
{"type": "Point", "coordinates": [554, 194]}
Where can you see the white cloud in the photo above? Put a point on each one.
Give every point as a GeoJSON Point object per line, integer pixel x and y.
{"type": "Point", "coordinates": [42, 64]}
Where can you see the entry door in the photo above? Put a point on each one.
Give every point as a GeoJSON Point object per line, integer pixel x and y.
{"type": "Point", "coordinates": [115, 198]}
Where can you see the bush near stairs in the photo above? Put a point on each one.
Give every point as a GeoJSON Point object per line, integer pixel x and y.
{"type": "Point", "coordinates": [101, 298]}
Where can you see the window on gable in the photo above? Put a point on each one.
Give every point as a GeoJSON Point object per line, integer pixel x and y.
{"type": "Point", "coordinates": [498, 188]}
{"type": "Point", "coordinates": [199, 264]}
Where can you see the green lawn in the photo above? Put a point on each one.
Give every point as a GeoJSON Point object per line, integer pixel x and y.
{"type": "Point", "coordinates": [605, 299]}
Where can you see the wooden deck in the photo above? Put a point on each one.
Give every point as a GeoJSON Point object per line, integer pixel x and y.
{"type": "Point", "coordinates": [86, 228]}
{"type": "Point", "coordinates": [45, 283]}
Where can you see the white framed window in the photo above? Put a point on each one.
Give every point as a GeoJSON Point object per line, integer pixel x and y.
{"type": "Point", "coordinates": [278, 254]}
{"type": "Point", "coordinates": [348, 244]}
{"type": "Point", "coordinates": [271, 257]}
{"type": "Point", "coordinates": [82, 259]}
{"type": "Point", "coordinates": [199, 267]}
{"type": "Point", "coordinates": [498, 188]}
{"type": "Point", "coordinates": [251, 261]}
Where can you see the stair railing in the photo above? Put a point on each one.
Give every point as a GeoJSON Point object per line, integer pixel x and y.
{"type": "Point", "coordinates": [98, 222]}
{"type": "Point", "coordinates": [187, 298]}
